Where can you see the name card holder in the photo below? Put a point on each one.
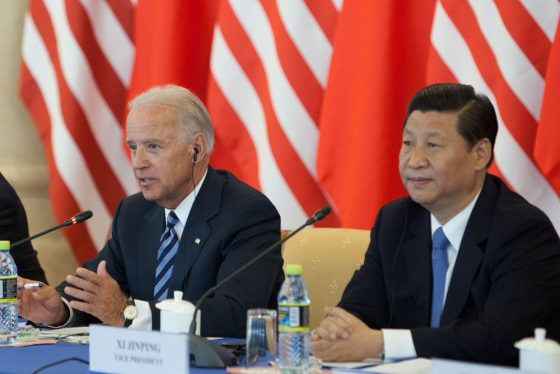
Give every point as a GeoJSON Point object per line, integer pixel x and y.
{"type": "Point", "coordinates": [126, 351]}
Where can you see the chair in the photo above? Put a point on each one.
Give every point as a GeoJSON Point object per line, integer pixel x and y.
{"type": "Point", "coordinates": [329, 258]}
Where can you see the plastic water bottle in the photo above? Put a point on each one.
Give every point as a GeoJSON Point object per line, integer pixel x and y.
{"type": "Point", "coordinates": [8, 296]}
{"type": "Point", "coordinates": [293, 323]}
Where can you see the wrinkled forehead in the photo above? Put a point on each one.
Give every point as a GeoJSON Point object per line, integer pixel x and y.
{"type": "Point", "coordinates": [154, 116]}
{"type": "Point", "coordinates": [153, 111]}
{"type": "Point", "coordinates": [151, 122]}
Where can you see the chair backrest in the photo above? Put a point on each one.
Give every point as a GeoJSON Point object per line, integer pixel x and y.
{"type": "Point", "coordinates": [329, 258]}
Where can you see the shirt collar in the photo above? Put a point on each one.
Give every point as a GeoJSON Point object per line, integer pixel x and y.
{"type": "Point", "coordinates": [455, 228]}
{"type": "Point", "coordinates": [184, 208]}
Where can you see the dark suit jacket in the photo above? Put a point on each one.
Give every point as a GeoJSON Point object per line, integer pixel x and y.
{"type": "Point", "coordinates": [506, 279]}
{"type": "Point", "coordinates": [13, 227]}
{"type": "Point", "coordinates": [229, 224]}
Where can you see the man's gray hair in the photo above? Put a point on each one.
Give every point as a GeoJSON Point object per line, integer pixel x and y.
{"type": "Point", "coordinates": [191, 112]}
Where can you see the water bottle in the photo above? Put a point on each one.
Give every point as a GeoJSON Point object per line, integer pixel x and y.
{"type": "Point", "coordinates": [293, 323]}
{"type": "Point", "coordinates": [8, 296]}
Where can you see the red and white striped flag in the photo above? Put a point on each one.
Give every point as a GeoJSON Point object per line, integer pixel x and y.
{"type": "Point", "coordinates": [307, 96]}
{"type": "Point", "coordinates": [269, 68]}
{"type": "Point", "coordinates": [502, 48]}
{"type": "Point", "coordinates": [77, 59]}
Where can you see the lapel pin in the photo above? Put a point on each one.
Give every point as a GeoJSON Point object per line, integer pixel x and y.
{"type": "Point", "coordinates": [197, 241]}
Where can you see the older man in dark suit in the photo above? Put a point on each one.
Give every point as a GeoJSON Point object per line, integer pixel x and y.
{"type": "Point", "coordinates": [461, 269]}
{"type": "Point", "coordinates": [189, 228]}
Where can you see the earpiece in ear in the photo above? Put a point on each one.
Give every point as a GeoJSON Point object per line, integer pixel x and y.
{"type": "Point", "coordinates": [195, 155]}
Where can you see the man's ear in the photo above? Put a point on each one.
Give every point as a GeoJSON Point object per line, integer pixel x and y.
{"type": "Point", "coordinates": [199, 147]}
{"type": "Point", "coordinates": [483, 152]}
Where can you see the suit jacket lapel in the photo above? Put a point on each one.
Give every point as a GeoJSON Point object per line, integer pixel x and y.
{"type": "Point", "coordinates": [148, 245]}
{"type": "Point", "coordinates": [197, 230]}
{"type": "Point", "coordinates": [418, 257]}
{"type": "Point", "coordinates": [471, 252]}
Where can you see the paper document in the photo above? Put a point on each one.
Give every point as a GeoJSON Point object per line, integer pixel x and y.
{"type": "Point", "coordinates": [414, 366]}
{"type": "Point", "coordinates": [64, 332]}
{"type": "Point", "coordinates": [440, 366]}
{"type": "Point", "coordinates": [353, 365]}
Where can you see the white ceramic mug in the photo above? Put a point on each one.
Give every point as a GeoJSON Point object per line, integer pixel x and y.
{"type": "Point", "coordinates": [177, 314]}
{"type": "Point", "coordinates": [539, 354]}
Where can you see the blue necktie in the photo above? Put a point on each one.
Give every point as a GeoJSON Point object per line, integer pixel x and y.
{"type": "Point", "coordinates": [166, 257]}
{"type": "Point", "coordinates": [439, 269]}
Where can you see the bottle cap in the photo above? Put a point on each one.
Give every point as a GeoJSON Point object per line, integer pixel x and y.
{"type": "Point", "coordinates": [4, 245]}
{"type": "Point", "coordinates": [293, 269]}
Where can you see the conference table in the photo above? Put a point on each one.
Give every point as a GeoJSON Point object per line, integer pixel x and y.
{"type": "Point", "coordinates": [28, 359]}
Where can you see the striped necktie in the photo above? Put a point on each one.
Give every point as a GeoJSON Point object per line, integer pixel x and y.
{"type": "Point", "coordinates": [440, 264]}
{"type": "Point", "coordinates": [166, 257]}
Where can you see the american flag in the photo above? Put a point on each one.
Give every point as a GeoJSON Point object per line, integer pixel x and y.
{"type": "Point", "coordinates": [307, 97]}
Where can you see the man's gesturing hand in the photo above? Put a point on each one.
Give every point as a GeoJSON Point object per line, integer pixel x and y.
{"type": "Point", "coordinates": [100, 294]}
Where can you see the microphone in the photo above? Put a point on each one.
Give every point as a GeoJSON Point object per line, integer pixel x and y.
{"type": "Point", "coordinates": [206, 353]}
{"type": "Point", "coordinates": [78, 218]}
{"type": "Point", "coordinates": [317, 216]}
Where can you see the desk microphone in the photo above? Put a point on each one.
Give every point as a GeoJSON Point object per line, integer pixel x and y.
{"type": "Point", "coordinates": [205, 353]}
{"type": "Point", "coordinates": [78, 218]}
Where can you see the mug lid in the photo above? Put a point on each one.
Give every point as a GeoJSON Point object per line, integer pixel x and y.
{"type": "Point", "coordinates": [177, 304]}
{"type": "Point", "coordinates": [538, 343]}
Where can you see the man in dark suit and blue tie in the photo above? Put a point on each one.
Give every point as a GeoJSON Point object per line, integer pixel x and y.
{"type": "Point", "coordinates": [463, 267]}
{"type": "Point", "coordinates": [189, 228]}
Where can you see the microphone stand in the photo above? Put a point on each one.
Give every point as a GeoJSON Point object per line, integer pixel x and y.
{"type": "Point", "coordinates": [205, 353]}
{"type": "Point", "coordinates": [78, 218]}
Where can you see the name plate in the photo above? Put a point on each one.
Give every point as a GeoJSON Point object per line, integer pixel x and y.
{"type": "Point", "coordinates": [126, 351]}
